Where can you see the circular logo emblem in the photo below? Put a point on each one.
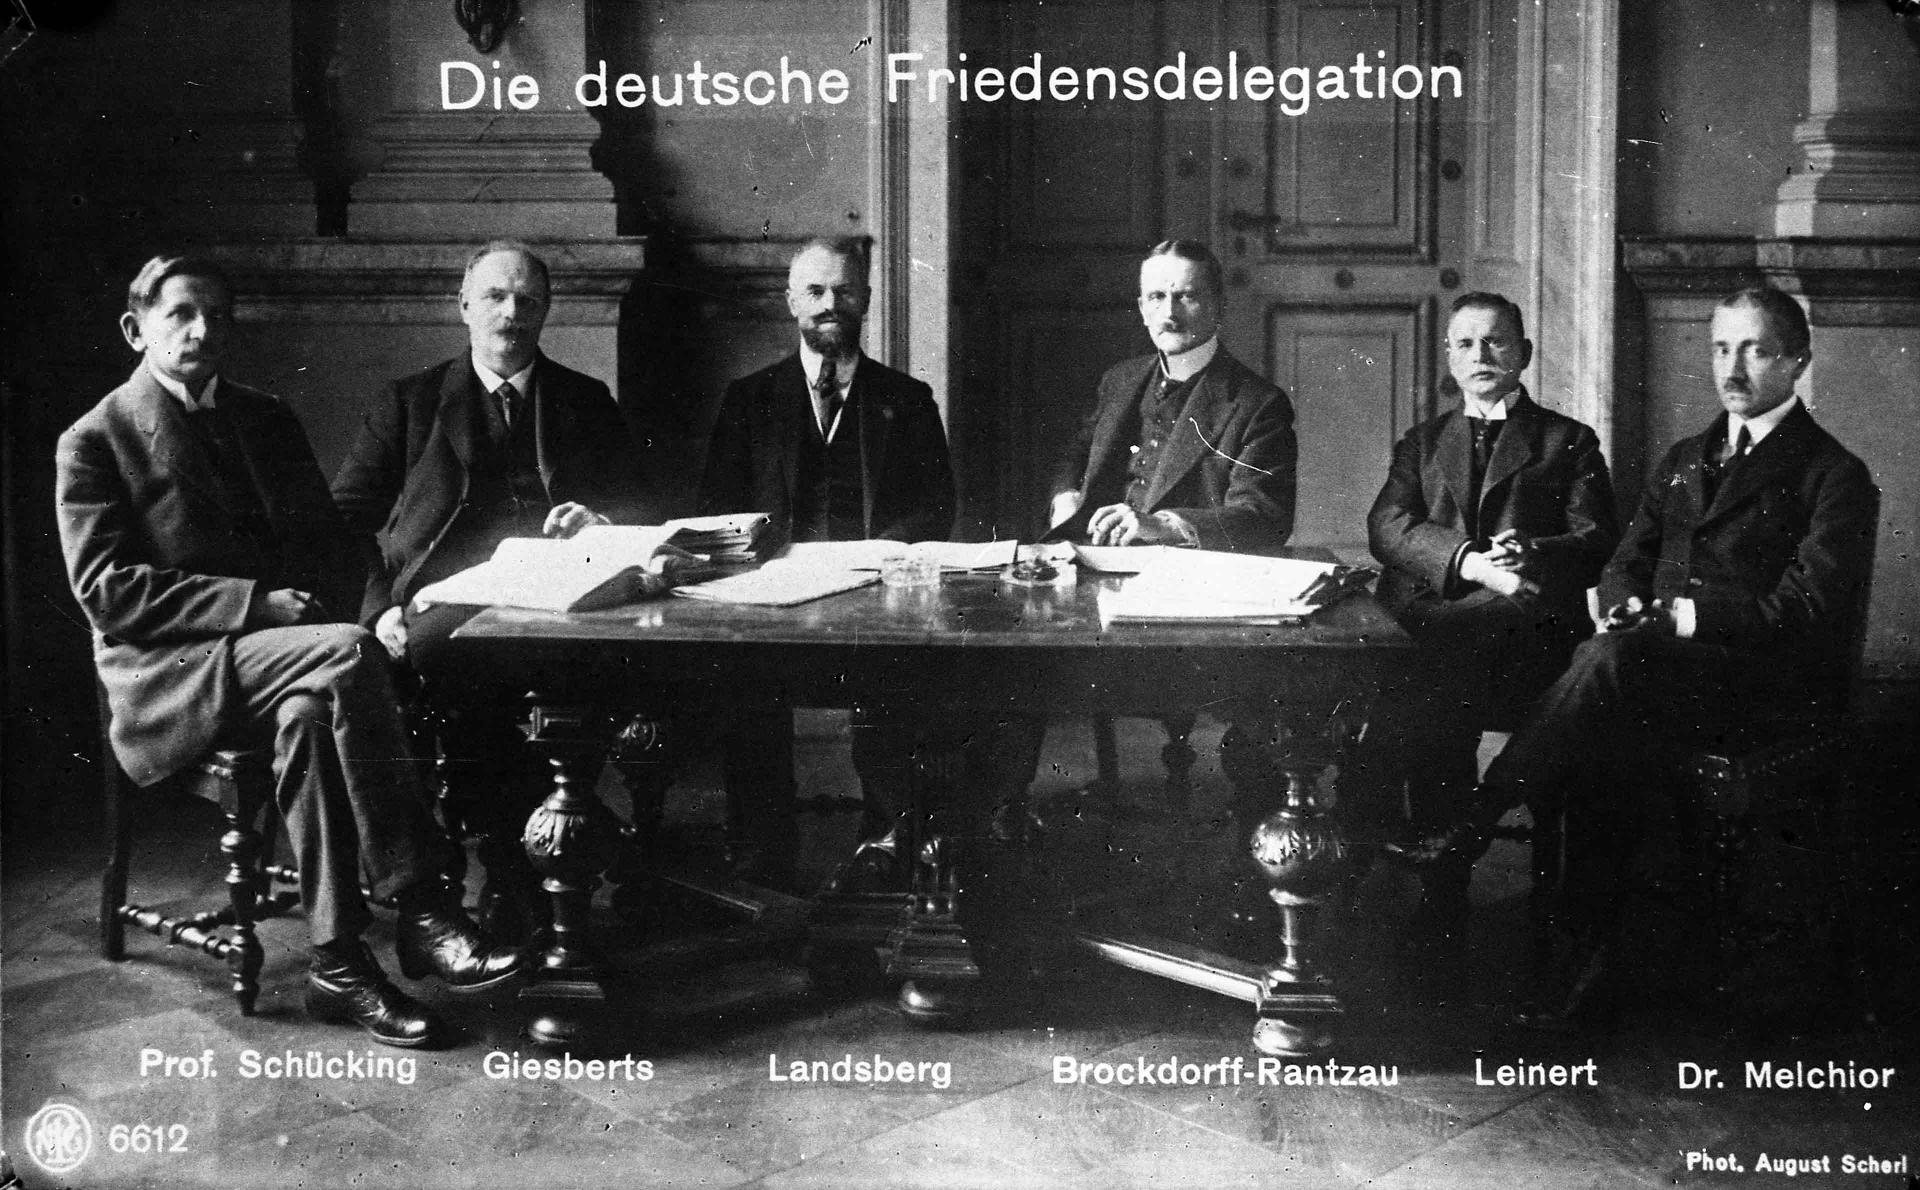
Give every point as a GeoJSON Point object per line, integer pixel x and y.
{"type": "Point", "coordinates": [59, 1137]}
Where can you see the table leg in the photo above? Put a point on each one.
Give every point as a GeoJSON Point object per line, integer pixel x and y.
{"type": "Point", "coordinates": [1300, 853]}
{"type": "Point", "coordinates": [930, 950]}
{"type": "Point", "coordinates": [569, 840]}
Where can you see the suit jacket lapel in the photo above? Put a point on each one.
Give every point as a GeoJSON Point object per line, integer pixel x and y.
{"type": "Point", "coordinates": [1107, 451]}
{"type": "Point", "coordinates": [1694, 460]}
{"type": "Point", "coordinates": [1518, 442]}
{"type": "Point", "coordinates": [1196, 433]}
{"type": "Point", "coordinates": [171, 441]}
{"type": "Point", "coordinates": [1453, 454]}
{"type": "Point", "coordinates": [871, 403]}
{"type": "Point", "coordinates": [791, 416]}
{"type": "Point", "coordinates": [1781, 450]}
{"type": "Point", "coordinates": [463, 414]}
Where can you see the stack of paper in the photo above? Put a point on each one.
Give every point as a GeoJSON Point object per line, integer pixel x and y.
{"type": "Point", "coordinates": [727, 538]}
{"type": "Point", "coordinates": [1211, 587]}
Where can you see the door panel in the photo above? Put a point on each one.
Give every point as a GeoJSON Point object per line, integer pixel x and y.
{"type": "Point", "coordinates": [1345, 230]}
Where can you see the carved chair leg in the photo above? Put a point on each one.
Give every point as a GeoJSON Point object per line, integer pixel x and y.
{"type": "Point", "coordinates": [113, 881]}
{"type": "Point", "coordinates": [241, 847]}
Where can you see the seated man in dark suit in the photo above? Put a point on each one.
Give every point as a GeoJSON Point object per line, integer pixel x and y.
{"type": "Point", "coordinates": [1495, 518]}
{"type": "Point", "coordinates": [1733, 598]}
{"type": "Point", "coordinates": [833, 446]}
{"type": "Point", "coordinates": [498, 442]}
{"type": "Point", "coordinates": [1187, 446]}
{"type": "Point", "coordinates": [202, 546]}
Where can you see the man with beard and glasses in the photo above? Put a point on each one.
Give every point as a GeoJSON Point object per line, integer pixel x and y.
{"type": "Point", "coordinates": [1733, 600]}
{"type": "Point", "coordinates": [833, 446]}
{"type": "Point", "coordinates": [499, 441]}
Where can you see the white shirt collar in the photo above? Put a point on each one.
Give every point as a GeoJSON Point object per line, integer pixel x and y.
{"type": "Point", "coordinates": [180, 392]}
{"type": "Point", "coordinates": [490, 380]}
{"type": "Point", "coordinates": [810, 361]}
{"type": "Point", "coordinates": [1190, 362]}
{"type": "Point", "coordinates": [1496, 410]}
{"type": "Point", "coordinates": [1759, 427]}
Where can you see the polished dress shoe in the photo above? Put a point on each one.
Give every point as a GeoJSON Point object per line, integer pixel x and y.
{"type": "Point", "coordinates": [1463, 841]}
{"type": "Point", "coordinates": [875, 866]}
{"type": "Point", "coordinates": [350, 988]}
{"type": "Point", "coordinates": [436, 938]}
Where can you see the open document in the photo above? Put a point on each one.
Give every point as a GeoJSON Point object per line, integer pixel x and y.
{"type": "Point", "coordinates": [1205, 586]}
{"type": "Point", "coordinates": [868, 555]}
{"type": "Point", "coordinates": [600, 566]}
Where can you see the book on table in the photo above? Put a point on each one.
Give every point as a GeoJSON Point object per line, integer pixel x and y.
{"type": "Point", "coordinates": [600, 566]}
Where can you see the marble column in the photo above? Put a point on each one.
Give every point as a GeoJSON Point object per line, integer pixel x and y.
{"type": "Point", "coordinates": [1861, 174]}
{"type": "Point", "coordinates": [483, 171]}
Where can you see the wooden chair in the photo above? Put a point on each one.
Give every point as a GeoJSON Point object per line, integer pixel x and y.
{"type": "Point", "coordinates": [1792, 779]}
{"type": "Point", "coordinates": [240, 782]}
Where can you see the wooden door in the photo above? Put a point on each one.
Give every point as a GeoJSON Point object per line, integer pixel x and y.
{"type": "Point", "coordinates": [1346, 228]}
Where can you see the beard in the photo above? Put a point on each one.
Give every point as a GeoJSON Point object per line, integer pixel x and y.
{"type": "Point", "coordinates": [835, 338]}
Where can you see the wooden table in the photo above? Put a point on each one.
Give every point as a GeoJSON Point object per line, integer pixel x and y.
{"type": "Point", "coordinates": [969, 647]}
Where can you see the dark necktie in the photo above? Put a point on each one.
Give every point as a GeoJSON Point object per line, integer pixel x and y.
{"type": "Point", "coordinates": [1485, 433]}
{"type": "Point", "coordinates": [512, 404]}
{"type": "Point", "coordinates": [1171, 390]}
{"type": "Point", "coordinates": [1724, 460]}
{"type": "Point", "coordinates": [827, 393]}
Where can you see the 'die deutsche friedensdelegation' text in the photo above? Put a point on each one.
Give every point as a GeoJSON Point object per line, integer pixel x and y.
{"type": "Point", "coordinates": [909, 78]}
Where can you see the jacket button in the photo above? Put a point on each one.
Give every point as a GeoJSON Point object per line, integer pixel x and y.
{"type": "Point", "coordinates": [1695, 584]}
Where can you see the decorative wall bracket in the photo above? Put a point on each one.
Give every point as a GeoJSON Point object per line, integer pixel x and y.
{"type": "Point", "coordinates": [486, 21]}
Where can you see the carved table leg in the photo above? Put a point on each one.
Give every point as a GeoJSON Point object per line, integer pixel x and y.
{"type": "Point", "coordinates": [930, 949]}
{"type": "Point", "coordinates": [1300, 853]}
{"type": "Point", "coordinates": [569, 839]}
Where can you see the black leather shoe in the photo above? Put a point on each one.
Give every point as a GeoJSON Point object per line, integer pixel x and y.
{"type": "Point", "coordinates": [875, 866]}
{"type": "Point", "coordinates": [353, 990]}
{"type": "Point", "coordinates": [438, 939]}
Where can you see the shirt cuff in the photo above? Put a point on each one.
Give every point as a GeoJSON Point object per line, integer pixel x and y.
{"type": "Point", "coordinates": [1685, 619]}
{"type": "Point", "coordinates": [1181, 527]}
{"type": "Point", "coordinates": [1453, 582]}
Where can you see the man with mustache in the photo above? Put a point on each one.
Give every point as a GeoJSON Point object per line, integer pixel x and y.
{"type": "Point", "coordinates": [1187, 446]}
{"type": "Point", "coordinates": [216, 575]}
{"type": "Point", "coordinates": [499, 441]}
{"type": "Point", "coordinates": [833, 446]}
{"type": "Point", "coordinates": [1495, 518]}
{"type": "Point", "coordinates": [1733, 599]}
